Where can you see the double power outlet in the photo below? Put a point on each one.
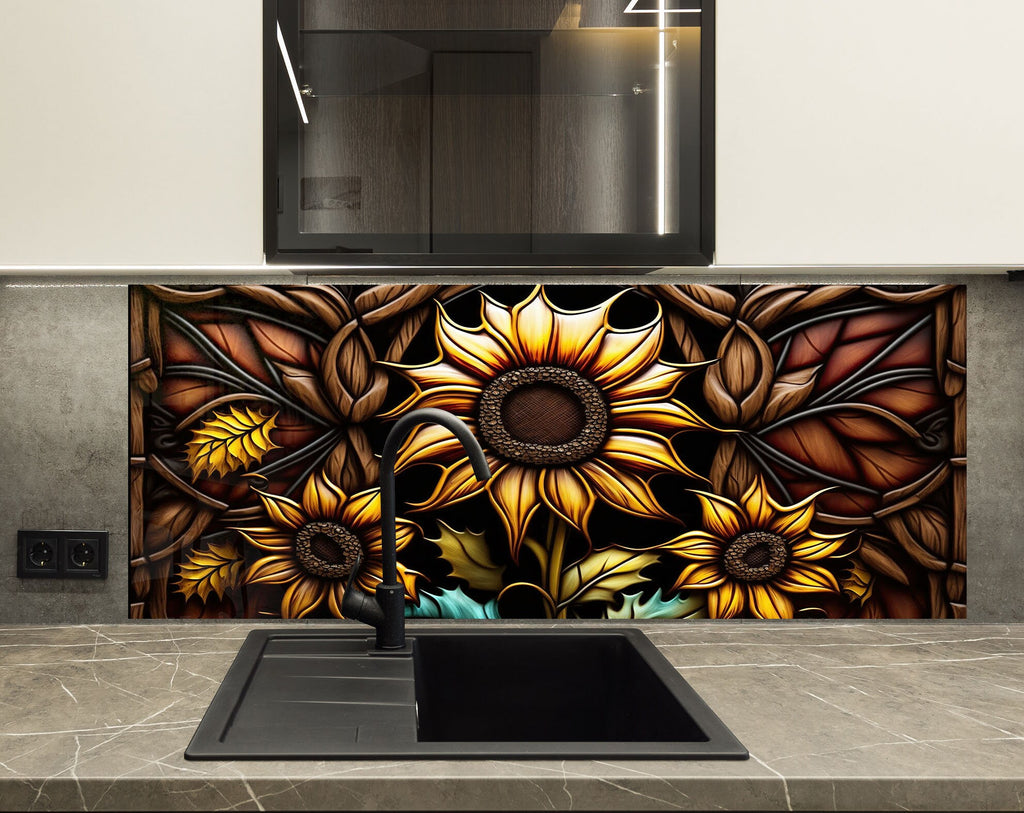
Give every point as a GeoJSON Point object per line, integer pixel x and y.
{"type": "Point", "coordinates": [62, 554]}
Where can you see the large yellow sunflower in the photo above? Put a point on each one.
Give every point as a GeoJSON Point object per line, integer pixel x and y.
{"type": "Point", "coordinates": [568, 409]}
{"type": "Point", "coordinates": [754, 552]}
{"type": "Point", "coordinates": [315, 545]}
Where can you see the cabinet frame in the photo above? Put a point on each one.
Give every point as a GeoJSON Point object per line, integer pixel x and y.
{"type": "Point", "coordinates": [277, 199]}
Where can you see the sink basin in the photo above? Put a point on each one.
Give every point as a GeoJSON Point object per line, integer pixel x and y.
{"type": "Point", "coordinates": [324, 694]}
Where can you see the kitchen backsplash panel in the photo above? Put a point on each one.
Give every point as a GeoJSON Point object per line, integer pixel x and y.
{"type": "Point", "coordinates": [657, 451]}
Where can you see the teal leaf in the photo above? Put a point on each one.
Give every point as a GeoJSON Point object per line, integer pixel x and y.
{"type": "Point", "coordinates": [657, 607]}
{"type": "Point", "coordinates": [451, 604]}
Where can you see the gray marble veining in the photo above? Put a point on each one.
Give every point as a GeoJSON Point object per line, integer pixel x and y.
{"type": "Point", "coordinates": [836, 716]}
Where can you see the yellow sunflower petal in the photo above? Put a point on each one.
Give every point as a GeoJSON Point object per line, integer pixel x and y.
{"type": "Point", "coordinates": [756, 503]}
{"type": "Point", "coordinates": [798, 578]}
{"type": "Point", "coordinates": [475, 351]}
{"type": "Point", "coordinates": [642, 452]}
{"type": "Point", "coordinates": [514, 493]}
{"type": "Point", "coordinates": [459, 400]}
{"type": "Point", "coordinates": [335, 595]}
{"type": "Point", "coordinates": [532, 327]}
{"type": "Point", "coordinates": [408, 578]}
{"type": "Point", "coordinates": [726, 601]}
{"type": "Point", "coordinates": [272, 570]}
{"type": "Point", "coordinates": [624, 353]}
{"type": "Point", "coordinates": [767, 602]}
{"type": "Point", "coordinates": [667, 417]}
{"type": "Point", "coordinates": [721, 516]}
{"type": "Point", "coordinates": [657, 380]}
{"type": "Point", "coordinates": [457, 483]}
{"type": "Point", "coordinates": [437, 374]}
{"type": "Point", "coordinates": [304, 596]}
{"type": "Point", "coordinates": [567, 494]}
{"type": "Point", "coordinates": [362, 510]}
{"type": "Point", "coordinates": [623, 490]}
{"type": "Point", "coordinates": [817, 546]}
{"type": "Point", "coordinates": [699, 576]}
{"type": "Point", "coordinates": [793, 520]}
{"type": "Point", "coordinates": [497, 321]}
{"type": "Point", "coordinates": [405, 532]}
{"type": "Point", "coordinates": [429, 443]}
{"type": "Point", "coordinates": [322, 499]}
{"type": "Point", "coordinates": [698, 545]}
{"type": "Point", "coordinates": [284, 512]}
{"type": "Point", "coordinates": [577, 334]}
{"type": "Point", "coordinates": [269, 539]}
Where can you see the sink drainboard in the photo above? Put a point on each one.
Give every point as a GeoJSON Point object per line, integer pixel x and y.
{"type": "Point", "coordinates": [323, 694]}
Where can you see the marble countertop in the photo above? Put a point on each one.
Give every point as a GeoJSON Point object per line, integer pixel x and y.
{"type": "Point", "coordinates": [862, 715]}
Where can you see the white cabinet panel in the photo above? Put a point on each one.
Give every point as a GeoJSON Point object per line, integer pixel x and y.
{"type": "Point", "coordinates": [862, 132]}
{"type": "Point", "coordinates": [131, 132]}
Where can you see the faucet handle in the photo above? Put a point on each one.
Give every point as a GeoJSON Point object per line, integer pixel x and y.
{"type": "Point", "coordinates": [356, 604]}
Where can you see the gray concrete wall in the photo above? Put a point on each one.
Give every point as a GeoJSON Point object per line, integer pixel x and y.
{"type": "Point", "coordinates": [64, 434]}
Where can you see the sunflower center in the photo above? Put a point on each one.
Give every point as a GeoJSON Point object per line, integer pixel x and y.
{"type": "Point", "coordinates": [327, 550]}
{"type": "Point", "coordinates": [756, 556]}
{"type": "Point", "coordinates": [543, 415]}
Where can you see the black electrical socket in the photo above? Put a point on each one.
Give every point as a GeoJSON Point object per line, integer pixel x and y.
{"type": "Point", "coordinates": [62, 554]}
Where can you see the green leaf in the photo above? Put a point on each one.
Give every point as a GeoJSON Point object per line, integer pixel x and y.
{"type": "Point", "coordinates": [451, 604]}
{"type": "Point", "coordinates": [469, 558]}
{"type": "Point", "coordinates": [600, 576]}
{"type": "Point", "coordinates": [657, 607]}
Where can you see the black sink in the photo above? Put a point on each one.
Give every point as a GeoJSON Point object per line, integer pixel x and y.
{"type": "Point", "coordinates": [317, 694]}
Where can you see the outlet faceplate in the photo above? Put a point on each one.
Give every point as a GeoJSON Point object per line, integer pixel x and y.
{"type": "Point", "coordinates": [62, 554]}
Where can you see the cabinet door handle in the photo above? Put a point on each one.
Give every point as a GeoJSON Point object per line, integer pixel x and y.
{"type": "Point", "coordinates": [291, 73]}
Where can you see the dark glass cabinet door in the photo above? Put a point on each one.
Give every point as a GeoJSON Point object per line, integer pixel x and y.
{"type": "Point", "coordinates": [489, 132]}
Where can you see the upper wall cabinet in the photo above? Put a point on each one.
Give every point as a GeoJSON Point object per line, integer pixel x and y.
{"type": "Point", "coordinates": [489, 132]}
{"type": "Point", "coordinates": [130, 134]}
{"type": "Point", "coordinates": [870, 133]}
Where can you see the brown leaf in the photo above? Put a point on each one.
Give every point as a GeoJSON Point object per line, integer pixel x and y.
{"type": "Point", "coordinates": [167, 293]}
{"type": "Point", "coordinates": [732, 469]}
{"type": "Point", "coordinates": [350, 375]}
{"type": "Point", "coordinates": [352, 464]}
{"type": "Point", "coordinates": [305, 386]}
{"type": "Point", "coordinates": [321, 301]}
{"type": "Point", "coordinates": [881, 562]}
{"type": "Point", "coordinates": [170, 525]}
{"type": "Point", "coordinates": [907, 297]}
{"type": "Point", "coordinates": [788, 392]}
{"type": "Point", "coordinates": [280, 344]}
{"type": "Point", "coordinates": [384, 301]}
{"type": "Point", "coordinates": [707, 302]}
{"type": "Point", "coordinates": [924, 535]}
{"type": "Point", "coordinates": [684, 337]}
{"type": "Point", "coordinates": [769, 303]}
{"type": "Point", "coordinates": [234, 340]}
{"type": "Point", "coordinates": [407, 331]}
{"type": "Point", "coordinates": [737, 386]}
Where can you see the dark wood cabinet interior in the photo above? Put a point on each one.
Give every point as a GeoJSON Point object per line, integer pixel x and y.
{"type": "Point", "coordinates": [556, 133]}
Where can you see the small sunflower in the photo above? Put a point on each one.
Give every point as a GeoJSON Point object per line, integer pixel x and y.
{"type": "Point", "coordinates": [569, 410]}
{"type": "Point", "coordinates": [754, 552]}
{"type": "Point", "coordinates": [314, 546]}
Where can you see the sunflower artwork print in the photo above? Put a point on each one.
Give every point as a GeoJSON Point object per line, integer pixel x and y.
{"type": "Point", "coordinates": [657, 451]}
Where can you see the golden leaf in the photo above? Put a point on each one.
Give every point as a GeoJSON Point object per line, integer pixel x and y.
{"type": "Point", "coordinates": [600, 576]}
{"type": "Point", "coordinates": [215, 569]}
{"type": "Point", "coordinates": [230, 440]}
{"type": "Point", "coordinates": [858, 583]}
{"type": "Point", "coordinates": [469, 557]}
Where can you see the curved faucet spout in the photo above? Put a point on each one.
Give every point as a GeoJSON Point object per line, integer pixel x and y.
{"type": "Point", "coordinates": [391, 592]}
